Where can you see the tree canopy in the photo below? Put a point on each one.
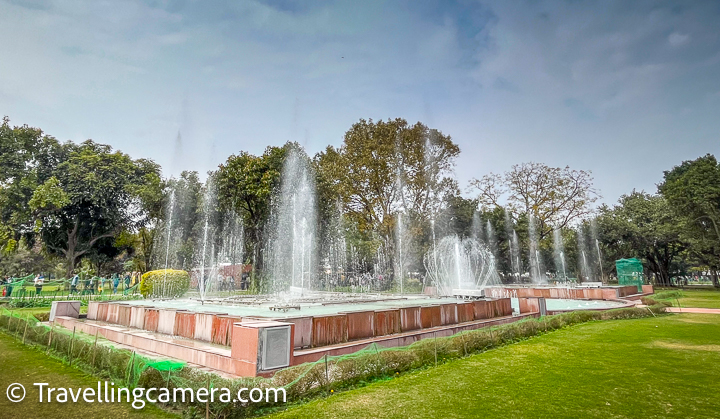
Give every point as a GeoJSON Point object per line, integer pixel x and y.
{"type": "Point", "coordinates": [555, 197]}
{"type": "Point", "coordinates": [93, 194]}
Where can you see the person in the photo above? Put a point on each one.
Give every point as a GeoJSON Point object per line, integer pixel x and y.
{"type": "Point", "coordinates": [74, 284]}
{"type": "Point", "coordinates": [39, 280]}
{"type": "Point", "coordinates": [244, 278]}
{"type": "Point", "coordinates": [115, 282]}
{"type": "Point", "coordinates": [127, 280]}
{"type": "Point", "coordinates": [91, 289]}
{"type": "Point", "coordinates": [8, 287]}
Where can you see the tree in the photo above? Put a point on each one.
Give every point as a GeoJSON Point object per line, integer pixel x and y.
{"type": "Point", "coordinates": [245, 184]}
{"type": "Point", "coordinates": [555, 197]}
{"type": "Point", "coordinates": [643, 225]}
{"type": "Point", "coordinates": [27, 159]}
{"type": "Point", "coordinates": [384, 168]}
{"type": "Point", "coordinates": [93, 195]}
{"type": "Point", "coordinates": [693, 191]}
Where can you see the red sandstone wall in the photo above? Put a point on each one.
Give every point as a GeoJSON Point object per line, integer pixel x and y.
{"type": "Point", "coordinates": [112, 313]}
{"type": "Point", "coordinates": [361, 324]}
{"type": "Point", "coordinates": [626, 290]}
{"type": "Point", "coordinates": [410, 319]}
{"type": "Point", "coordinates": [223, 329]}
{"type": "Point", "coordinates": [92, 310]}
{"type": "Point", "coordinates": [302, 331]}
{"type": "Point", "coordinates": [448, 314]}
{"type": "Point", "coordinates": [329, 330]}
{"type": "Point", "coordinates": [465, 312]}
{"type": "Point", "coordinates": [480, 310]}
{"type": "Point", "coordinates": [387, 322]}
{"type": "Point", "coordinates": [504, 307]}
{"type": "Point", "coordinates": [244, 350]}
{"type": "Point", "coordinates": [152, 317]}
{"type": "Point", "coordinates": [529, 305]}
{"type": "Point", "coordinates": [123, 316]}
{"type": "Point", "coordinates": [102, 312]}
{"type": "Point", "coordinates": [184, 324]}
{"type": "Point", "coordinates": [609, 293]}
{"type": "Point", "coordinates": [430, 316]}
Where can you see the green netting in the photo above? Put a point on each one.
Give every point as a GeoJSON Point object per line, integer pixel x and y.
{"type": "Point", "coordinates": [630, 272]}
{"type": "Point", "coordinates": [166, 365]}
{"type": "Point", "coordinates": [24, 288]}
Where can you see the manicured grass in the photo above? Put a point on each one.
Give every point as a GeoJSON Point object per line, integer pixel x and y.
{"type": "Point", "coordinates": [24, 365]}
{"type": "Point", "coordinates": [664, 367]}
{"type": "Point", "coordinates": [699, 298]}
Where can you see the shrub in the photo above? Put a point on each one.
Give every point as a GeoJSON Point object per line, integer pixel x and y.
{"type": "Point", "coordinates": [667, 295]}
{"type": "Point", "coordinates": [168, 283]}
{"type": "Point", "coordinates": [648, 301]}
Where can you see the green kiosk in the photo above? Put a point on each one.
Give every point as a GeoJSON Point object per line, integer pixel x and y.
{"type": "Point", "coordinates": [630, 272]}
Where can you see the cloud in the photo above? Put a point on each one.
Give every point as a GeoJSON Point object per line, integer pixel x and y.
{"type": "Point", "coordinates": [560, 82]}
{"type": "Point", "coordinates": [677, 39]}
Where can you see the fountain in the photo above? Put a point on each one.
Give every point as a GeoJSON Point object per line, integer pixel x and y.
{"type": "Point", "coordinates": [559, 254]}
{"type": "Point", "coordinates": [515, 250]}
{"type": "Point", "coordinates": [460, 264]}
{"type": "Point", "coordinates": [491, 239]}
{"type": "Point", "coordinates": [476, 228]}
{"type": "Point", "coordinates": [536, 265]}
{"type": "Point", "coordinates": [206, 252]}
{"type": "Point", "coordinates": [168, 228]}
{"type": "Point", "coordinates": [594, 237]}
{"type": "Point", "coordinates": [585, 272]}
{"type": "Point", "coordinates": [292, 243]}
{"type": "Point", "coordinates": [400, 231]}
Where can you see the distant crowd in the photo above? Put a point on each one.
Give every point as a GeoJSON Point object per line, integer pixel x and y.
{"type": "Point", "coordinates": [78, 285]}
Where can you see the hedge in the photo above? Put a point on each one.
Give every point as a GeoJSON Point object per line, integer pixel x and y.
{"type": "Point", "coordinates": [165, 283]}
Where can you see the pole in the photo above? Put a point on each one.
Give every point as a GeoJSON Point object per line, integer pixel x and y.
{"type": "Point", "coordinates": [435, 342]}
{"type": "Point", "coordinates": [95, 347]}
{"type": "Point", "coordinates": [25, 331]}
{"type": "Point", "coordinates": [10, 320]}
{"type": "Point", "coordinates": [207, 402]}
{"type": "Point", "coordinates": [130, 366]}
{"type": "Point", "coordinates": [327, 375]}
{"type": "Point", "coordinates": [72, 342]}
{"type": "Point", "coordinates": [52, 329]}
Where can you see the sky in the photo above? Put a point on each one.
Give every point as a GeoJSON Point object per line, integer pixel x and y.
{"type": "Point", "coordinates": [623, 89]}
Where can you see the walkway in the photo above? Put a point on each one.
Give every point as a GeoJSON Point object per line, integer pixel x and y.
{"type": "Point", "coordinates": [693, 310]}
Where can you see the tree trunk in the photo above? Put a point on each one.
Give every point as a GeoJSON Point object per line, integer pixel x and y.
{"type": "Point", "coordinates": [70, 253]}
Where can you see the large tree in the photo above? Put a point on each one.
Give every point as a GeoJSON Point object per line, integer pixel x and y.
{"type": "Point", "coordinates": [693, 192]}
{"type": "Point", "coordinates": [554, 196]}
{"type": "Point", "coordinates": [93, 195]}
{"type": "Point", "coordinates": [27, 159]}
{"type": "Point", "coordinates": [245, 184]}
{"type": "Point", "coordinates": [643, 225]}
{"type": "Point", "coordinates": [385, 168]}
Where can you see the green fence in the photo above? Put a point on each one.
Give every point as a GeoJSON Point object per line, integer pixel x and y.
{"type": "Point", "coordinates": [630, 272]}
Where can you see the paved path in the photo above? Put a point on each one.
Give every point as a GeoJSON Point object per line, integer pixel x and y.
{"type": "Point", "coordinates": [692, 310]}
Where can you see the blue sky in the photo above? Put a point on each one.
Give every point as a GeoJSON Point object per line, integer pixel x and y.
{"type": "Point", "coordinates": [625, 89]}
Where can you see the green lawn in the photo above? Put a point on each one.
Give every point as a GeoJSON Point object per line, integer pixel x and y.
{"type": "Point", "coordinates": [664, 367]}
{"type": "Point", "coordinates": [709, 298]}
{"type": "Point", "coordinates": [24, 365]}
